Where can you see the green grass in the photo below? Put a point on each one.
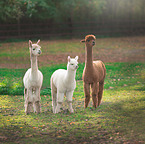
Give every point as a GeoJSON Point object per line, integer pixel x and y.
{"type": "Point", "coordinates": [119, 119]}
{"type": "Point", "coordinates": [118, 74]}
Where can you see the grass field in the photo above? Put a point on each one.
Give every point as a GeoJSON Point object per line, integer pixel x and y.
{"type": "Point", "coordinates": [119, 119]}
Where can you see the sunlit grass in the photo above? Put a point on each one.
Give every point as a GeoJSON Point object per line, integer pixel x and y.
{"type": "Point", "coordinates": [119, 119]}
{"type": "Point", "coordinates": [118, 74]}
{"type": "Point", "coordinates": [114, 118]}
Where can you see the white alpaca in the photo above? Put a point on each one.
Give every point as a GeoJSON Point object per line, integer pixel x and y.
{"type": "Point", "coordinates": [33, 79]}
{"type": "Point", "coordinates": [63, 83]}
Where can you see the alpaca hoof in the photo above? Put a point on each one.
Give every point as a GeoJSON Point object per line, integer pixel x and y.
{"type": "Point", "coordinates": [54, 111]}
{"type": "Point", "coordinates": [71, 111]}
{"type": "Point", "coordinates": [27, 113]}
{"type": "Point", "coordinates": [99, 104]}
{"type": "Point", "coordinates": [38, 111]}
{"type": "Point", "coordinates": [95, 106]}
{"type": "Point", "coordinates": [57, 111]}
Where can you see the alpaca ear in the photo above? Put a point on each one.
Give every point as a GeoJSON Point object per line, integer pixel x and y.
{"type": "Point", "coordinates": [68, 58]}
{"type": "Point", "coordinates": [83, 40]}
{"type": "Point", "coordinates": [30, 44]}
{"type": "Point", "coordinates": [38, 41]}
{"type": "Point", "coordinates": [76, 58]}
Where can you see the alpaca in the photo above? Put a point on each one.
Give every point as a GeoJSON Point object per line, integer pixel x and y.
{"type": "Point", "coordinates": [93, 75]}
{"type": "Point", "coordinates": [32, 80]}
{"type": "Point", "coordinates": [63, 83]}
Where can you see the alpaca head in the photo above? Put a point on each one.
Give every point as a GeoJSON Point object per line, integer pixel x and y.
{"type": "Point", "coordinates": [89, 40]}
{"type": "Point", "coordinates": [35, 49]}
{"type": "Point", "coordinates": [72, 63]}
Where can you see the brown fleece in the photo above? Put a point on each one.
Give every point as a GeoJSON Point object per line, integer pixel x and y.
{"type": "Point", "coordinates": [93, 75]}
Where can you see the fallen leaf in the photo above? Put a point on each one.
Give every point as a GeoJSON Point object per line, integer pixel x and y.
{"type": "Point", "coordinates": [111, 87]}
{"type": "Point", "coordinates": [3, 137]}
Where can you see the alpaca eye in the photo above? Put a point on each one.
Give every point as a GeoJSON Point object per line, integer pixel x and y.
{"type": "Point", "coordinates": [71, 64]}
{"type": "Point", "coordinates": [33, 48]}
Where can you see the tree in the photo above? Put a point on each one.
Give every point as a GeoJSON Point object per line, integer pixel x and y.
{"type": "Point", "coordinates": [17, 9]}
{"type": "Point", "coordinates": [10, 9]}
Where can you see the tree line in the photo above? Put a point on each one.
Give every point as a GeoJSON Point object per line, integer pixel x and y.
{"type": "Point", "coordinates": [71, 12]}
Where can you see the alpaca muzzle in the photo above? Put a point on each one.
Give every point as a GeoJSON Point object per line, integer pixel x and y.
{"type": "Point", "coordinates": [93, 43]}
{"type": "Point", "coordinates": [39, 52]}
{"type": "Point", "coordinates": [77, 67]}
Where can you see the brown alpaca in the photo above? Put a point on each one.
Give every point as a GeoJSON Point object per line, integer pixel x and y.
{"type": "Point", "coordinates": [93, 74]}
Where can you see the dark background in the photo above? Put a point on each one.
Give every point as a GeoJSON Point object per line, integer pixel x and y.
{"type": "Point", "coordinates": [50, 19]}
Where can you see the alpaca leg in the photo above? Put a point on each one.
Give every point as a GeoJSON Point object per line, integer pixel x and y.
{"type": "Point", "coordinates": [95, 89]}
{"type": "Point", "coordinates": [25, 98]}
{"type": "Point", "coordinates": [60, 97]}
{"type": "Point", "coordinates": [54, 97]}
{"type": "Point", "coordinates": [34, 99]}
{"type": "Point", "coordinates": [29, 107]}
{"type": "Point", "coordinates": [101, 87]}
{"type": "Point", "coordinates": [25, 93]}
{"type": "Point", "coordinates": [28, 102]}
{"type": "Point", "coordinates": [37, 105]}
{"type": "Point", "coordinates": [69, 96]}
{"type": "Point", "coordinates": [87, 94]}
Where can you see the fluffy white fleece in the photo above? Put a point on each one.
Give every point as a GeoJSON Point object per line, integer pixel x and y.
{"type": "Point", "coordinates": [63, 83]}
{"type": "Point", "coordinates": [32, 80]}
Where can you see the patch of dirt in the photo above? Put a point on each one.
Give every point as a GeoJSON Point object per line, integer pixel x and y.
{"type": "Point", "coordinates": [107, 55]}
{"type": "Point", "coordinates": [109, 50]}
{"type": "Point", "coordinates": [121, 55]}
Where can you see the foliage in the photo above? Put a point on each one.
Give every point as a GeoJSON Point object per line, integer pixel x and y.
{"type": "Point", "coordinates": [75, 10]}
{"type": "Point", "coordinates": [10, 9]}
{"type": "Point", "coordinates": [16, 9]}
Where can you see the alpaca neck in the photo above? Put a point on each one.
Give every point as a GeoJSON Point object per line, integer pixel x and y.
{"type": "Point", "coordinates": [89, 58]}
{"type": "Point", "coordinates": [70, 76]}
{"type": "Point", "coordinates": [34, 66]}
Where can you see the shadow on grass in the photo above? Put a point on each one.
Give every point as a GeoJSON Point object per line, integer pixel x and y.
{"type": "Point", "coordinates": [112, 122]}
{"type": "Point", "coordinates": [141, 88]}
